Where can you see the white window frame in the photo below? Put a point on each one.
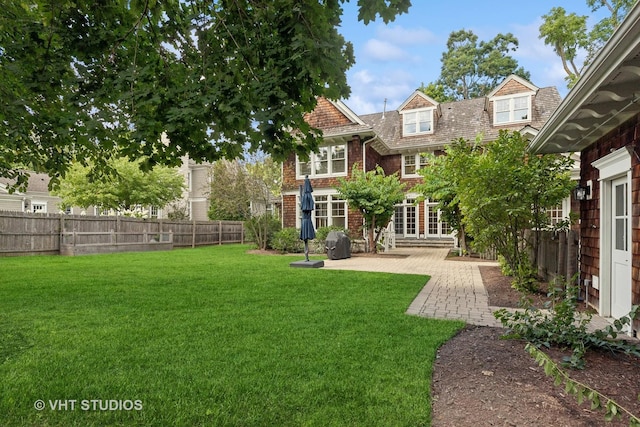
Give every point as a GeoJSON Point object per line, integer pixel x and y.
{"type": "Point", "coordinates": [38, 206]}
{"type": "Point", "coordinates": [419, 164]}
{"type": "Point", "coordinates": [315, 161]}
{"type": "Point", "coordinates": [406, 115]}
{"type": "Point", "coordinates": [331, 199]}
{"type": "Point", "coordinates": [563, 208]}
{"type": "Point", "coordinates": [511, 98]}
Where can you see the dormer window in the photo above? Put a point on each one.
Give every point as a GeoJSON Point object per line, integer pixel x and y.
{"type": "Point", "coordinates": [417, 122]}
{"type": "Point", "coordinates": [511, 109]}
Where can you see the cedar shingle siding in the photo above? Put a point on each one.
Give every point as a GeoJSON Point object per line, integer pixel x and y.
{"type": "Point", "coordinates": [381, 134]}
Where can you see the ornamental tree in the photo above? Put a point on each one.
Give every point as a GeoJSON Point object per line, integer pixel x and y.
{"type": "Point", "coordinates": [440, 183]}
{"type": "Point", "coordinates": [87, 80]}
{"type": "Point", "coordinates": [498, 192]}
{"type": "Point", "coordinates": [124, 190]}
{"type": "Point", "coordinates": [375, 196]}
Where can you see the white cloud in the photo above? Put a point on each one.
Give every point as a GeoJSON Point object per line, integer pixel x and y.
{"type": "Point", "coordinates": [369, 91]}
{"type": "Point", "coordinates": [363, 77]}
{"type": "Point", "coordinates": [384, 51]}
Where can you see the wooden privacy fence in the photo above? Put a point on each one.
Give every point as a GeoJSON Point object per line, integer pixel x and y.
{"type": "Point", "coordinates": [30, 234]}
{"type": "Point", "coordinates": [558, 254]}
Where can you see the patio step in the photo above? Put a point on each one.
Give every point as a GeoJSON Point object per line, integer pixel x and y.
{"type": "Point", "coordinates": [424, 243]}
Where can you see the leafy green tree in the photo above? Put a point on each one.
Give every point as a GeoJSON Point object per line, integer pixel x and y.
{"type": "Point", "coordinates": [568, 34]}
{"type": "Point", "coordinates": [497, 192]}
{"type": "Point", "coordinates": [440, 183]}
{"type": "Point", "coordinates": [471, 69]}
{"type": "Point", "coordinates": [506, 192]}
{"type": "Point", "coordinates": [229, 195]}
{"type": "Point", "coordinates": [86, 80]}
{"type": "Point", "coordinates": [123, 191]}
{"type": "Point", "coordinates": [375, 196]}
{"type": "Point", "coordinates": [241, 191]}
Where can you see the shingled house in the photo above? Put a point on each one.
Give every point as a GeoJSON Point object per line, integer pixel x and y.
{"type": "Point", "coordinates": [600, 119]}
{"type": "Point", "coordinates": [396, 140]}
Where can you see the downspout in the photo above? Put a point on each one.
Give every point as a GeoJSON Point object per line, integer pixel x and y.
{"type": "Point", "coordinates": [281, 213]}
{"type": "Point", "coordinates": [364, 169]}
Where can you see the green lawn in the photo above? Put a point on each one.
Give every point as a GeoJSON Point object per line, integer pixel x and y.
{"type": "Point", "coordinates": [211, 336]}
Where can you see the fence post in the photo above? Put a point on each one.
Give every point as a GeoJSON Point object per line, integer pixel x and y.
{"type": "Point", "coordinates": [219, 232]}
{"type": "Point", "coordinates": [572, 254]}
{"type": "Point", "coordinates": [193, 233]}
{"type": "Point", "coordinates": [562, 254]}
{"type": "Point", "coordinates": [242, 233]}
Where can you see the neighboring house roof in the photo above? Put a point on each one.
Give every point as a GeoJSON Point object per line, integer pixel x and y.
{"type": "Point", "coordinates": [38, 182]}
{"type": "Point", "coordinates": [604, 97]}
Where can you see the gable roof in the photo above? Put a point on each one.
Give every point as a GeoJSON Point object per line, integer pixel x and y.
{"type": "Point", "coordinates": [418, 99]}
{"type": "Point", "coordinates": [458, 119]}
{"type": "Point", "coordinates": [337, 121]}
{"type": "Point", "coordinates": [37, 183]}
{"type": "Point", "coordinates": [605, 96]}
{"type": "Point", "coordinates": [510, 80]}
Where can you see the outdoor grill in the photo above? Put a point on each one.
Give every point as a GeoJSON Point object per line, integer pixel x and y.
{"type": "Point", "coordinates": [338, 245]}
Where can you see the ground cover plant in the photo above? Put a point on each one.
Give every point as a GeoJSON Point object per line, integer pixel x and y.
{"type": "Point", "coordinates": [210, 336]}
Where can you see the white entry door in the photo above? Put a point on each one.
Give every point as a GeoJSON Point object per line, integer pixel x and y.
{"type": "Point", "coordinates": [620, 249]}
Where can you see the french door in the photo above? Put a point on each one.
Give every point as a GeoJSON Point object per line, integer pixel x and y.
{"type": "Point", "coordinates": [406, 219]}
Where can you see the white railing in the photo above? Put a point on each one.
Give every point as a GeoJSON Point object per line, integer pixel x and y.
{"type": "Point", "coordinates": [388, 237]}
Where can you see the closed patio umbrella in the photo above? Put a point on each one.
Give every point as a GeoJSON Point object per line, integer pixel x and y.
{"type": "Point", "coordinates": [307, 231]}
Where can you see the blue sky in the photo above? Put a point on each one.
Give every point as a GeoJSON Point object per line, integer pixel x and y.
{"type": "Point", "coordinates": [393, 60]}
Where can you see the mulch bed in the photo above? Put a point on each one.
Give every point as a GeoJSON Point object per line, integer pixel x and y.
{"type": "Point", "coordinates": [480, 379]}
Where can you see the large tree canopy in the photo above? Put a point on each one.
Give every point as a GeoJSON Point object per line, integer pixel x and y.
{"type": "Point", "coordinates": [88, 79]}
{"type": "Point", "coordinates": [569, 37]}
{"type": "Point", "coordinates": [471, 69]}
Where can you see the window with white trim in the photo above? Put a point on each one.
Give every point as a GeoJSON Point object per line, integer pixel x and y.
{"type": "Point", "coordinates": [512, 109]}
{"type": "Point", "coordinates": [555, 214]}
{"type": "Point", "coordinates": [417, 122]}
{"type": "Point", "coordinates": [39, 207]}
{"type": "Point", "coordinates": [411, 163]}
{"type": "Point", "coordinates": [329, 160]}
{"type": "Point", "coordinates": [329, 210]}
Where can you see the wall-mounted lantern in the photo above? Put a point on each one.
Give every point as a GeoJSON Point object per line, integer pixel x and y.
{"type": "Point", "coordinates": [583, 192]}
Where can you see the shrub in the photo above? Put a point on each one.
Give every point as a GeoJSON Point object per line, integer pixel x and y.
{"type": "Point", "coordinates": [504, 266]}
{"type": "Point", "coordinates": [561, 324]}
{"type": "Point", "coordinates": [261, 229]}
{"type": "Point", "coordinates": [287, 240]}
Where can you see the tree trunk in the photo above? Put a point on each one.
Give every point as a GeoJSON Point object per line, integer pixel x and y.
{"type": "Point", "coordinates": [373, 247]}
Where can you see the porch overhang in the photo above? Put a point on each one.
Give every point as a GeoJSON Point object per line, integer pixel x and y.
{"type": "Point", "coordinates": [605, 96]}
